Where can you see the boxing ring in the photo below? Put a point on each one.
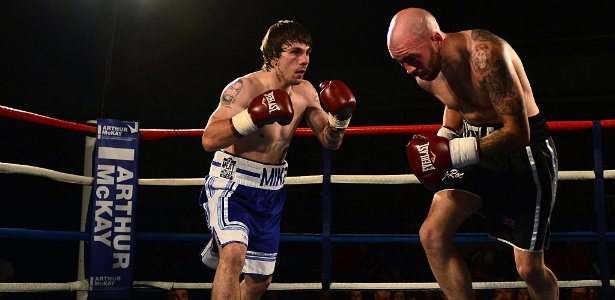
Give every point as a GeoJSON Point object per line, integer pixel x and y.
{"type": "Point", "coordinates": [600, 237]}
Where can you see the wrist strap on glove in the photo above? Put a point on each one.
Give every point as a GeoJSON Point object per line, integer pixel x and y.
{"type": "Point", "coordinates": [338, 124]}
{"type": "Point", "coordinates": [464, 151]}
{"type": "Point", "coordinates": [447, 132]}
{"type": "Point", "coordinates": [242, 123]}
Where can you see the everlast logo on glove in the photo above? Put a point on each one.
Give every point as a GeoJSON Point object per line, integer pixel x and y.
{"type": "Point", "coordinates": [422, 152]}
{"type": "Point", "coordinates": [426, 157]}
{"type": "Point", "coordinates": [270, 102]}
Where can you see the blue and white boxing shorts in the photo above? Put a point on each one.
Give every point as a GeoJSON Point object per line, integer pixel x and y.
{"type": "Point", "coordinates": [243, 203]}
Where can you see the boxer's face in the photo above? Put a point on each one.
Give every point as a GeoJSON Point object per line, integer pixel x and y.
{"type": "Point", "coordinates": [293, 62]}
{"type": "Point", "coordinates": [434, 65]}
{"type": "Point", "coordinates": [419, 56]}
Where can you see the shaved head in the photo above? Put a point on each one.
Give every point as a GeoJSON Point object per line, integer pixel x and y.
{"type": "Point", "coordinates": [411, 23]}
{"type": "Point", "coordinates": [414, 41]}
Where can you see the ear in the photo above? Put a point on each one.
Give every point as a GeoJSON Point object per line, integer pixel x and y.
{"type": "Point", "coordinates": [437, 38]}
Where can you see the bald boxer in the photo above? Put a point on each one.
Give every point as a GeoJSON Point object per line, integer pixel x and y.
{"type": "Point", "coordinates": [493, 154]}
{"type": "Point", "coordinates": [250, 132]}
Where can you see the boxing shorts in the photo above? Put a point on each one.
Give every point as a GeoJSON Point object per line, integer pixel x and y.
{"type": "Point", "coordinates": [243, 202]}
{"type": "Point", "coordinates": [517, 188]}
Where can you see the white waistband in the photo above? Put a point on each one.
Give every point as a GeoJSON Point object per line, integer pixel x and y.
{"type": "Point", "coordinates": [248, 172]}
{"type": "Point", "coordinates": [478, 131]}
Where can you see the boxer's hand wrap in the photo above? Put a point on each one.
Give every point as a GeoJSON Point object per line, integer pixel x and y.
{"type": "Point", "coordinates": [242, 123]}
{"type": "Point", "coordinates": [336, 123]}
{"type": "Point", "coordinates": [464, 151]}
{"type": "Point", "coordinates": [447, 132]}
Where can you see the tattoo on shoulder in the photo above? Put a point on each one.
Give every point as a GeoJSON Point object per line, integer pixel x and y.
{"type": "Point", "coordinates": [229, 94]}
{"type": "Point", "coordinates": [481, 58]}
{"type": "Point", "coordinates": [496, 77]}
{"type": "Point", "coordinates": [499, 84]}
{"type": "Point", "coordinates": [486, 36]}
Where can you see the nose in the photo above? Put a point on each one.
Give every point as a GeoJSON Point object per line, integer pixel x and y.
{"type": "Point", "coordinates": [409, 69]}
{"type": "Point", "coordinates": [305, 59]}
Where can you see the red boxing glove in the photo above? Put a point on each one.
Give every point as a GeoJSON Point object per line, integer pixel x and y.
{"type": "Point", "coordinates": [431, 155]}
{"type": "Point", "coordinates": [428, 155]}
{"type": "Point", "coordinates": [339, 101]}
{"type": "Point", "coordinates": [273, 106]}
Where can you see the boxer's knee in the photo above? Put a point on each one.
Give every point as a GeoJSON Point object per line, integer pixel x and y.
{"type": "Point", "coordinates": [256, 285]}
{"type": "Point", "coordinates": [431, 239]}
{"type": "Point", "coordinates": [531, 267]}
{"type": "Point", "coordinates": [233, 255]}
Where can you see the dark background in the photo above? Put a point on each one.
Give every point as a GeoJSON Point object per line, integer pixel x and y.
{"type": "Point", "coordinates": [164, 63]}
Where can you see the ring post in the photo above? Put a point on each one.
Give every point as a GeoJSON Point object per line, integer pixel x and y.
{"type": "Point", "coordinates": [90, 142]}
{"type": "Point", "coordinates": [326, 220]}
{"type": "Point", "coordinates": [112, 210]}
{"type": "Point", "coordinates": [600, 209]}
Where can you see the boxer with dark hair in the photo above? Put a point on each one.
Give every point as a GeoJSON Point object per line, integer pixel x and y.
{"type": "Point", "coordinates": [494, 152]}
{"type": "Point", "coordinates": [250, 132]}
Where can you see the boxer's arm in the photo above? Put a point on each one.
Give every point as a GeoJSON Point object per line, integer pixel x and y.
{"type": "Point", "coordinates": [318, 120]}
{"type": "Point", "coordinates": [452, 123]}
{"type": "Point", "coordinates": [236, 96]}
{"type": "Point", "coordinates": [340, 103]}
{"type": "Point", "coordinates": [492, 66]}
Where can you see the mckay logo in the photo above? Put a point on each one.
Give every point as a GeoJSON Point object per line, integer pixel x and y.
{"type": "Point", "coordinates": [427, 157]}
{"type": "Point", "coordinates": [117, 130]}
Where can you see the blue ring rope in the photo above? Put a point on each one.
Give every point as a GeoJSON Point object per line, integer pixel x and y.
{"type": "Point", "coordinates": [469, 237]}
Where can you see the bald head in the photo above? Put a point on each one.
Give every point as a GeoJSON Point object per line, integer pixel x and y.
{"type": "Point", "coordinates": [411, 23]}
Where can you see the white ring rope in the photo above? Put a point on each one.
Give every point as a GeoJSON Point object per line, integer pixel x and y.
{"type": "Point", "coordinates": [313, 179]}
{"type": "Point", "coordinates": [14, 287]}
{"type": "Point", "coordinates": [314, 286]}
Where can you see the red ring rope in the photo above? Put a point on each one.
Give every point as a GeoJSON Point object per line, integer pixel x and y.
{"type": "Point", "coordinates": [153, 134]}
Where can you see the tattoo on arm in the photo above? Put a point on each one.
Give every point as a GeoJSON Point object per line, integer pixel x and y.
{"type": "Point", "coordinates": [228, 96]}
{"type": "Point", "coordinates": [499, 85]}
{"type": "Point", "coordinates": [496, 78]}
{"type": "Point", "coordinates": [497, 142]}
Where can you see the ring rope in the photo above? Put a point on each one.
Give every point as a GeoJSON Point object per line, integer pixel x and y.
{"type": "Point", "coordinates": [154, 134]}
{"type": "Point", "coordinates": [83, 285]}
{"type": "Point", "coordinates": [461, 237]}
{"type": "Point", "coordinates": [292, 180]}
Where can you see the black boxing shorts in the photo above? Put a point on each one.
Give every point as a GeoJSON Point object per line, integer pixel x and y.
{"type": "Point", "coordinates": [517, 188]}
